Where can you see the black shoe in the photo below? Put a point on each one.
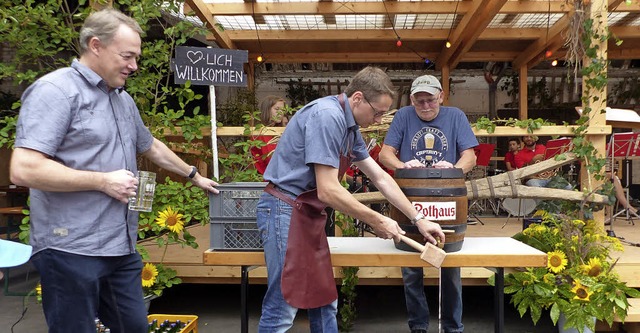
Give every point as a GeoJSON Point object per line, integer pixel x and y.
{"type": "Point", "coordinates": [418, 331]}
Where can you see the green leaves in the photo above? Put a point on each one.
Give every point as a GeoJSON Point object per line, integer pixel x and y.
{"type": "Point", "coordinates": [484, 123]}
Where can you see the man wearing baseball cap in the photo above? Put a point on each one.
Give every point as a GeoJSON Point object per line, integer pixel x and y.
{"type": "Point", "coordinates": [426, 134]}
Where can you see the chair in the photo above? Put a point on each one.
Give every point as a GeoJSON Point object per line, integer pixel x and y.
{"type": "Point", "coordinates": [623, 145]}
{"type": "Point", "coordinates": [483, 157]}
{"type": "Point", "coordinates": [11, 230]}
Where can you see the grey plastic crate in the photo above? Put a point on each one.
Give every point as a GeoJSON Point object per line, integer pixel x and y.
{"type": "Point", "coordinates": [233, 216]}
{"type": "Point", "coordinates": [235, 235]}
{"type": "Point", "coordinates": [236, 200]}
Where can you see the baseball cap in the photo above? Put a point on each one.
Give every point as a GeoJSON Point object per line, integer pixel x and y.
{"type": "Point", "coordinates": [13, 253]}
{"type": "Point", "coordinates": [426, 83]}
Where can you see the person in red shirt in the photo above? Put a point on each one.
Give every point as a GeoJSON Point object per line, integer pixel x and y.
{"type": "Point", "coordinates": [271, 115]}
{"type": "Point", "coordinates": [509, 157]}
{"type": "Point", "coordinates": [531, 152]}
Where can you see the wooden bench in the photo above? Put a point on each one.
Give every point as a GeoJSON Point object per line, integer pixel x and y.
{"type": "Point", "coordinates": [13, 214]}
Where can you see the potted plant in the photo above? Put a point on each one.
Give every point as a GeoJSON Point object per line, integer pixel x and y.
{"type": "Point", "coordinates": [578, 282]}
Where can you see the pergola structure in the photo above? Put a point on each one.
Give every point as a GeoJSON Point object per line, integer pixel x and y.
{"type": "Point", "coordinates": [522, 32]}
{"type": "Point", "coordinates": [338, 31]}
{"type": "Point", "coordinates": [446, 33]}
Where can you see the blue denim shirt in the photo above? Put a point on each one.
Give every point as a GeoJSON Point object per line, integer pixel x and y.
{"type": "Point", "coordinates": [319, 133]}
{"type": "Point", "coordinates": [71, 116]}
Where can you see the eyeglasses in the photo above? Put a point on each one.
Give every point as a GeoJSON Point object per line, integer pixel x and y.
{"type": "Point", "coordinates": [431, 101]}
{"type": "Point", "coordinates": [376, 113]}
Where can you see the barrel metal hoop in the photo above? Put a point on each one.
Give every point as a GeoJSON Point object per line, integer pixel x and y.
{"type": "Point", "coordinates": [435, 192]}
{"type": "Point", "coordinates": [512, 181]}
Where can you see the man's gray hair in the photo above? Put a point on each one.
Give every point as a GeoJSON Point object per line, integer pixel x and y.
{"type": "Point", "coordinates": [103, 25]}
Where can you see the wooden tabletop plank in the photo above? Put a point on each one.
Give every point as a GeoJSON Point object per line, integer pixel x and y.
{"type": "Point", "coordinates": [376, 252]}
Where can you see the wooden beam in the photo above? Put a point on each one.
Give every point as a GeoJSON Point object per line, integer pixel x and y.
{"type": "Point", "coordinates": [540, 45]}
{"type": "Point", "coordinates": [203, 13]}
{"type": "Point", "coordinates": [555, 130]}
{"type": "Point", "coordinates": [381, 57]}
{"type": "Point", "coordinates": [480, 23]}
{"type": "Point", "coordinates": [501, 34]}
{"type": "Point", "coordinates": [460, 32]}
{"type": "Point", "coordinates": [372, 8]}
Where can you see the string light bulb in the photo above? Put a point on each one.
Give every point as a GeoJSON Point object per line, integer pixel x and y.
{"type": "Point", "coordinates": [628, 2]}
{"type": "Point", "coordinates": [427, 61]}
{"type": "Point", "coordinates": [554, 63]}
{"type": "Point", "coordinates": [548, 54]}
{"type": "Point", "coordinates": [259, 58]}
{"type": "Point", "coordinates": [448, 44]}
{"type": "Point", "coordinates": [399, 42]}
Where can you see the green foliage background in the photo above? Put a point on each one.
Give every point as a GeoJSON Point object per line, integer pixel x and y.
{"type": "Point", "coordinates": [44, 36]}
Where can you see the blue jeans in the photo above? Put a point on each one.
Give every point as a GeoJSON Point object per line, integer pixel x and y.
{"type": "Point", "coordinates": [451, 284]}
{"type": "Point", "coordinates": [76, 289]}
{"type": "Point", "coordinates": [273, 219]}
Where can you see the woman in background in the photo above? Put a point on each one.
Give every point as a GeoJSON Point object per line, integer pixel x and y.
{"type": "Point", "coordinates": [271, 115]}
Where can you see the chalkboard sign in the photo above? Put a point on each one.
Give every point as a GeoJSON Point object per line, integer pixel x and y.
{"type": "Point", "coordinates": [209, 66]}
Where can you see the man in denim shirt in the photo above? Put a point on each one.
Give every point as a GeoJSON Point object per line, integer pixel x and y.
{"type": "Point", "coordinates": [78, 135]}
{"type": "Point", "coordinates": [309, 157]}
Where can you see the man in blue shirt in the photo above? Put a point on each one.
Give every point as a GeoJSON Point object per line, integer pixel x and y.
{"type": "Point", "coordinates": [315, 149]}
{"type": "Point", "coordinates": [77, 139]}
{"type": "Point", "coordinates": [427, 134]}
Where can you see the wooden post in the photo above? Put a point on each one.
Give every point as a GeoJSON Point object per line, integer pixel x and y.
{"type": "Point", "coordinates": [445, 84]}
{"type": "Point", "coordinates": [597, 98]}
{"type": "Point", "coordinates": [522, 92]}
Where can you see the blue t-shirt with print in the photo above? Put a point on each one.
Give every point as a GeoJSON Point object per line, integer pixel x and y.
{"type": "Point", "coordinates": [441, 139]}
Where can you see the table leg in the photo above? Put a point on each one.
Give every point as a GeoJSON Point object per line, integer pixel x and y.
{"type": "Point", "coordinates": [244, 309]}
{"type": "Point", "coordinates": [498, 300]}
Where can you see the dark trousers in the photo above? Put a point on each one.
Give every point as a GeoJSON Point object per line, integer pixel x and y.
{"type": "Point", "coordinates": [76, 289]}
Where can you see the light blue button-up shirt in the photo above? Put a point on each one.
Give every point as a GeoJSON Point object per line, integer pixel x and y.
{"type": "Point", "coordinates": [319, 133]}
{"type": "Point", "coordinates": [71, 116]}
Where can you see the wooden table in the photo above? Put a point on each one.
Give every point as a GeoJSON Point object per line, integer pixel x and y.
{"type": "Point", "coordinates": [495, 253]}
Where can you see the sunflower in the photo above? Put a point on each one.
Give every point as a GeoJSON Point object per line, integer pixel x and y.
{"type": "Point", "coordinates": [556, 261]}
{"type": "Point", "coordinates": [593, 268]}
{"type": "Point", "coordinates": [171, 219]}
{"type": "Point", "coordinates": [582, 292]}
{"type": "Point", "coordinates": [149, 274]}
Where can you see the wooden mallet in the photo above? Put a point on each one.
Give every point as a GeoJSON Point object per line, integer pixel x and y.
{"type": "Point", "coordinates": [430, 253]}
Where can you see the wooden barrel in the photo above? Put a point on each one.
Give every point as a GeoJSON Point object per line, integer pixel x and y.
{"type": "Point", "coordinates": [441, 195]}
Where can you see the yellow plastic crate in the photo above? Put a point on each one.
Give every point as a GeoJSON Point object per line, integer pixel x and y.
{"type": "Point", "coordinates": [192, 327]}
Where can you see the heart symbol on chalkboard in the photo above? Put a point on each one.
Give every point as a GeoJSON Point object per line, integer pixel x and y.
{"type": "Point", "coordinates": [195, 56]}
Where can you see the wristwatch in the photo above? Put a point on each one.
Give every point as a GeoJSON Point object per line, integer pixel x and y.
{"type": "Point", "coordinates": [194, 170]}
{"type": "Point", "coordinates": [418, 217]}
